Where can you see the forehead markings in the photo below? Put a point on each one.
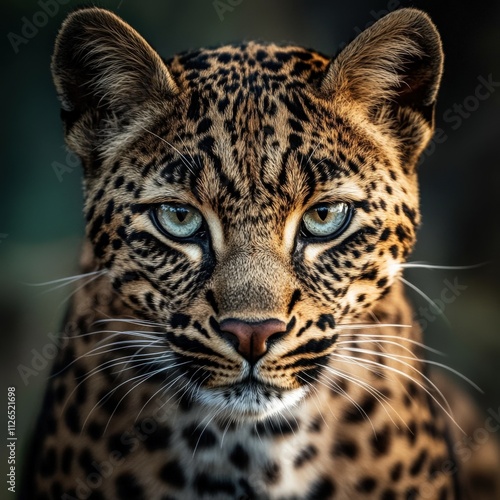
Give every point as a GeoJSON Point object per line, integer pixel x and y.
{"type": "Point", "coordinates": [223, 149]}
{"type": "Point", "coordinates": [155, 193]}
{"type": "Point", "coordinates": [346, 190]}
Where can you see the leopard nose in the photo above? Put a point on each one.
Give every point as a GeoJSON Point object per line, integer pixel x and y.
{"type": "Point", "coordinates": [251, 338]}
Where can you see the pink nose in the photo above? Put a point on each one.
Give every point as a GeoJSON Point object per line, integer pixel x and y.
{"type": "Point", "coordinates": [252, 337]}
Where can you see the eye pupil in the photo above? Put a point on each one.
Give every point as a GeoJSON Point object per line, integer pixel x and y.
{"type": "Point", "coordinates": [181, 214]}
{"type": "Point", "coordinates": [322, 213]}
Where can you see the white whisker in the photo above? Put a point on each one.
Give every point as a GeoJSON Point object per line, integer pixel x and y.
{"type": "Point", "coordinates": [183, 157]}
{"type": "Point", "coordinates": [426, 297]}
{"type": "Point", "coordinates": [447, 410]}
{"type": "Point", "coordinates": [358, 326]}
{"type": "Point", "coordinates": [415, 265]}
{"type": "Point", "coordinates": [163, 388]}
{"type": "Point", "coordinates": [132, 321]}
{"type": "Point", "coordinates": [395, 337]}
{"type": "Point", "coordinates": [114, 362]}
{"type": "Point", "coordinates": [83, 285]}
{"type": "Point", "coordinates": [396, 357]}
{"type": "Point", "coordinates": [62, 282]}
{"type": "Point", "coordinates": [344, 393]}
{"type": "Point", "coordinates": [189, 152]}
{"type": "Point", "coordinates": [380, 343]}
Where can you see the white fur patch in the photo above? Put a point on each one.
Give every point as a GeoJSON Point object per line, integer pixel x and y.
{"type": "Point", "coordinates": [252, 403]}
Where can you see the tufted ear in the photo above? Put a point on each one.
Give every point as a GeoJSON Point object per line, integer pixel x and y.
{"type": "Point", "coordinates": [392, 71]}
{"type": "Point", "coordinates": [104, 73]}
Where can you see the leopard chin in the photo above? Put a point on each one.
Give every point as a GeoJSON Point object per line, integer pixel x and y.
{"type": "Point", "coordinates": [249, 401]}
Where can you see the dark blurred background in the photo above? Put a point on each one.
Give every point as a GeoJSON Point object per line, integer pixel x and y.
{"type": "Point", "coordinates": [40, 183]}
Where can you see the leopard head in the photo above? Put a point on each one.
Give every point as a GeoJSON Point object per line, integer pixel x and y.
{"type": "Point", "coordinates": [249, 199]}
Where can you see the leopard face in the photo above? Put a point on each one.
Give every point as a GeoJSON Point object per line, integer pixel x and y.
{"type": "Point", "coordinates": [249, 200]}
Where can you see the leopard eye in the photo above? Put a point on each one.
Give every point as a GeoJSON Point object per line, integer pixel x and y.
{"type": "Point", "coordinates": [180, 221]}
{"type": "Point", "coordinates": [326, 220]}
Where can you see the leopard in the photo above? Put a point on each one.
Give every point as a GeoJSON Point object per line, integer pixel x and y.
{"type": "Point", "coordinates": [242, 330]}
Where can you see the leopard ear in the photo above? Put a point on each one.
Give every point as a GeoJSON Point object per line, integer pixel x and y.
{"type": "Point", "coordinates": [392, 71]}
{"type": "Point", "coordinates": [104, 73]}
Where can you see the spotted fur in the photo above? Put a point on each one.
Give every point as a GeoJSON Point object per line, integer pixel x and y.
{"type": "Point", "coordinates": [152, 396]}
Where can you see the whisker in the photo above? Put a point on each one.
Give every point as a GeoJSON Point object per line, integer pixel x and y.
{"type": "Point", "coordinates": [132, 321]}
{"type": "Point", "coordinates": [116, 333]}
{"type": "Point", "coordinates": [411, 341]}
{"type": "Point", "coordinates": [183, 157]}
{"type": "Point", "coordinates": [358, 326]}
{"type": "Point", "coordinates": [317, 396]}
{"type": "Point", "coordinates": [164, 389]}
{"type": "Point", "coordinates": [90, 353]}
{"type": "Point", "coordinates": [413, 265]}
{"type": "Point", "coordinates": [379, 342]}
{"type": "Point", "coordinates": [205, 428]}
{"type": "Point", "coordinates": [316, 393]}
{"type": "Point", "coordinates": [62, 282]}
{"type": "Point", "coordinates": [171, 383]}
{"type": "Point", "coordinates": [343, 392]}
{"type": "Point", "coordinates": [382, 398]}
{"type": "Point", "coordinates": [144, 377]}
{"type": "Point", "coordinates": [226, 428]}
{"type": "Point", "coordinates": [426, 297]}
{"type": "Point", "coordinates": [389, 356]}
{"type": "Point", "coordinates": [421, 360]}
{"type": "Point", "coordinates": [318, 144]}
{"type": "Point", "coordinates": [189, 152]}
{"type": "Point", "coordinates": [447, 410]}
{"type": "Point", "coordinates": [128, 333]}
{"type": "Point", "coordinates": [83, 285]}
{"type": "Point", "coordinates": [378, 395]}
{"type": "Point", "coordinates": [112, 363]}
{"type": "Point", "coordinates": [122, 344]}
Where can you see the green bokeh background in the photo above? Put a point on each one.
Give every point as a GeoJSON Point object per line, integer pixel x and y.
{"type": "Point", "coordinates": [42, 226]}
